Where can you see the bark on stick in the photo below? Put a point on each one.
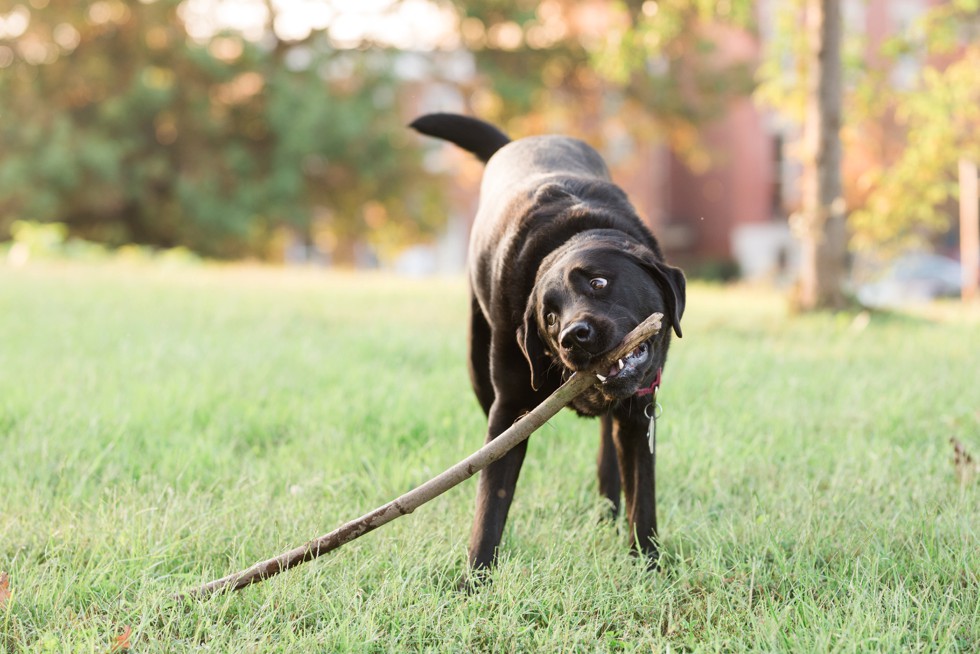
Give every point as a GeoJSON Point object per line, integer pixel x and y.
{"type": "Point", "coordinates": [436, 486]}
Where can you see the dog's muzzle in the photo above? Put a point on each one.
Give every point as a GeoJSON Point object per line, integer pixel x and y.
{"type": "Point", "coordinates": [629, 365]}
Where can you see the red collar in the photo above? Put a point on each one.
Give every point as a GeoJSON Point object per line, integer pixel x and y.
{"type": "Point", "coordinates": [652, 388]}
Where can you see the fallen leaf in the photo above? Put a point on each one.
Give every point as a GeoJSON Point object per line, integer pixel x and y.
{"type": "Point", "coordinates": [4, 589]}
{"type": "Point", "coordinates": [122, 640]}
{"type": "Point", "coordinates": [964, 465]}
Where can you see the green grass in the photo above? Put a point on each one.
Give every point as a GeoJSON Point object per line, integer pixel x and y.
{"type": "Point", "coordinates": [162, 427]}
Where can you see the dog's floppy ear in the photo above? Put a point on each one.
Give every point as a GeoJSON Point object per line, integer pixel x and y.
{"type": "Point", "coordinates": [672, 284]}
{"type": "Point", "coordinates": [674, 287]}
{"type": "Point", "coordinates": [531, 344]}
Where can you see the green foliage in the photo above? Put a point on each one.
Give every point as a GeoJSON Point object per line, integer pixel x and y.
{"type": "Point", "coordinates": [782, 72]}
{"type": "Point", "coordinates": [163, 428]}
{"type": "Point", "coordinates": [902, 199]}
{"type": "Point", "coordinates": [658, 35]}
{"type": "Point", "coordinates": [665, 57]}
{"type": "Point", "coordinates": [909, 199]}
{"type": "Point", "coordinates": [940, 116]}
{"type": "Point", "coordinates": [134, 132]}
{"type": "Point", "coordinates": [33, 241]}
{"type": "Point", "coordinates": [39, 239]}
{"type": "Point", "coordinates": [652, 65]}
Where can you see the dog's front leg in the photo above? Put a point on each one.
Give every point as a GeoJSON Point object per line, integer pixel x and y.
{"type": "Point", "coordinates": [608, 465]}
{"type": "Point", "coordinates": [637, 474]}
{"type": "Point", "coordinates": [495, 491]}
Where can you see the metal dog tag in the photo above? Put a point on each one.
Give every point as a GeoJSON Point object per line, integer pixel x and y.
{"type": "Point", "coordinates": [653, 412]}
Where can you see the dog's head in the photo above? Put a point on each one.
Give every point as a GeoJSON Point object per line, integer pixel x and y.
{"type": "Point", "coordinates": [587, 296]}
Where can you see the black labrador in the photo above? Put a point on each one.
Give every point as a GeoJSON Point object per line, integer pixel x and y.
{"type": "Point", "coordinates": [561, 269]}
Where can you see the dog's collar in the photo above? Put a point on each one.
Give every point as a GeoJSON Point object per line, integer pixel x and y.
{"type": "Point", "coordinates": [652, 388]}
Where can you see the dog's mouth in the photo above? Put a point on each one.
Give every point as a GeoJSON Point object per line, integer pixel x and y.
{"type": "Point", "coordinates": [628, 366]}
{"type": "Point", "coordinates": [625, 375]}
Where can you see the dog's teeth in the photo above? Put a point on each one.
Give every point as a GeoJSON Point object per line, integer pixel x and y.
{"type": "Point", "coordinates": [621, 364]}
{"type": "Point", "coordinates": [601, 378]}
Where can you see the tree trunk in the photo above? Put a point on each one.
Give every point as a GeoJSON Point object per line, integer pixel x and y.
{"type": "Point", "coordinates": [820, 227]}
{"type": "Point", "coordinates": [969, 229]}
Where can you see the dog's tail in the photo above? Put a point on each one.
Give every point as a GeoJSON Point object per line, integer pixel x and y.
{"type": "Point", "coordinates": [471, 134]}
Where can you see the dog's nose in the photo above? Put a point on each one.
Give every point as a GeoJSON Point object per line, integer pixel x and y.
{"type": "Point", "coordinates": [579, 333]}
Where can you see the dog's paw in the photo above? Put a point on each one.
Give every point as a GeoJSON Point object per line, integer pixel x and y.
{"type": "Point", "coordinates": [474, 580]}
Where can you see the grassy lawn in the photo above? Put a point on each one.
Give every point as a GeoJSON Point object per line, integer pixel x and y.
{"type": "Point", "coordinates": [163, 427]}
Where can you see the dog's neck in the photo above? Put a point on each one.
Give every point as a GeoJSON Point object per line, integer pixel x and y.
{"type": "Point", "coordinates": [653, 387]}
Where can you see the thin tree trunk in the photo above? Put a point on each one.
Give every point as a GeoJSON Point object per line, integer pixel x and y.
{"type": "Point", "coordinates": [969, 229]}
{"type": "Point", "coordinates": [436, 486]}
{"type": "Point", "coordinates": [821, 227]}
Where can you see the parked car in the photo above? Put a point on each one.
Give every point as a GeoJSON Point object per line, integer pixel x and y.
{"type": "Point", "coordinates": [913, 278]}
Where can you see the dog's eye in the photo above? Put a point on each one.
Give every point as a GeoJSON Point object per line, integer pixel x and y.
{"type": "Point", "coordinates": [598, 283]}
{"type": "Point", "coordinates": [551, 318]}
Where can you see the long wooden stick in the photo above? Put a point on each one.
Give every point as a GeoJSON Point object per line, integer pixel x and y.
{"type": "Point", "coordinates": [436, 486]}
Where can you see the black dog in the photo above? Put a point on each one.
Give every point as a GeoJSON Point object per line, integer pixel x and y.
{"type": "Point", "coordinates": [561, 269]}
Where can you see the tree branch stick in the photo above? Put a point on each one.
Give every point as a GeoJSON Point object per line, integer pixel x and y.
{"type": "Point", "coordinates": [436, 486]}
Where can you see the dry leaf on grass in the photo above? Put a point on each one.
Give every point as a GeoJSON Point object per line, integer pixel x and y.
{"type": "Point", "coordinates": [964, 465]}
{"type": "Point", "coordinates": [4, 589]}
{"type": "Point", "coordinates": [122, 641]}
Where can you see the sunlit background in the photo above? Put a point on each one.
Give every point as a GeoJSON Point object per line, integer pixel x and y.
{"type": "Point", "coordinates": [274, 130]}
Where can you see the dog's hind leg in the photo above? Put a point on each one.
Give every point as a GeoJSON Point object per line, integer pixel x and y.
{"type": "Point", "coordinates": [637, 474]}
{"type": "Point", "coordinates": [479, 356]}
{"type": "Point", "coordinates": [610, 485]}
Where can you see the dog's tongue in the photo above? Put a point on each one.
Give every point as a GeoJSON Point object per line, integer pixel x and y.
{"type": "Point", "coordinates": [615, 368]}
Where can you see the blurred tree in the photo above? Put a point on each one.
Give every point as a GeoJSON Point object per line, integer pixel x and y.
{"type": "Point", "coordinates": [820, 223]}
{"type": "Point", "coordinates": [803, 77]}
{"type": "Point", "coordinates": [911, 115]}
{"type": "Point", "coordinates": [938, 118]}
{"type": "Point", "coordinates": [120, 125]}
{"type": "Point", "coordinates": [573, 65]}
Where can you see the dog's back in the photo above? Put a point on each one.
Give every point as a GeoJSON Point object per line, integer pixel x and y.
{"type": "Point", "coordinates": [514, 165]}
{"type": "Point", "coordinates": [532, 162]}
